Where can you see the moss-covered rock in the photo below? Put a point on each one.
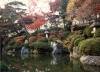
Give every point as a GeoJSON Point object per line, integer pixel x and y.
{"type": "Point", "coordinates": [90, 46]}
{"type": "Point", "coordinates": [97, 33]}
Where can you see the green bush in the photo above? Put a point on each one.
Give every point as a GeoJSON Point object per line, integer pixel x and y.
{"type": "Point", "coordinates": [90, 46]}
{"type": "Point", "coordinates": [74, 37]}
{"type": "Point", "coordinates": [70, 40]}
{"type": "Point", "coordinates": [11, 47]}
{"type": "Point", "coordinates": [87, 32]}
{"type": "Point", "coordinates": [38, 31]}
{"type": "Point", "coordinates": [97, 33]}
{"type": "Point", "coordinates": [26, 45]}
{"type": "Point", "coordinates": [11, 42]}
{"type": "Point", "coordinates": [44, 40]}
{"type": "Point", "coordinates": [78, 40]}
{"type": "Point", "coordinates": [3, 67]}
{"type": "Point", "coordinates": [66, 34]}
{"type": "Point", "coordinates": [40, 44]}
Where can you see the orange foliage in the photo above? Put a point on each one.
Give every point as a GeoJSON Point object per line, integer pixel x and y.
{"type": "Point", "coordinates": [20, 40]}
{"type": "Point", "coordinates": [32, 39]}
{"type": "Point", "coordinates": [39, 38]}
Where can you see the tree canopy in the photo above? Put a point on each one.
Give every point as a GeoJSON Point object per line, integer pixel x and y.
{"type": "Point", "coordinates": [9, 15]}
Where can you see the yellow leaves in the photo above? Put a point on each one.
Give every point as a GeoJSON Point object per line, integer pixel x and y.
{"type": "Point", "coordinates": [79, 8]}
{"type": "Point", "coordinates": [70, 8]}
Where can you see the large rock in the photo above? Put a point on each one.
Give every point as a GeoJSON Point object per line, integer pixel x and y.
{"type": "Point", "coordinates": [90, 60]}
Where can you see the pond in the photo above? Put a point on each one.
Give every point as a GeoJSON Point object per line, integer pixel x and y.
{"type": "Point", "coordinates": [44, 63]}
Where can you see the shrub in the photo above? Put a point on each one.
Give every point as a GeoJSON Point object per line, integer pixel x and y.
{"type": "Point", "coordinates": [32, 39]}
{"type": "Point", "coordinates": [41, 34]}
{"type": "Point", "coordinates": [3, 67]}
{"type": "Point", "coordinates": [53, 38]}
{"type": "Point", "coordinates": [20, 40]}
{"type": "Point", "coordinates": [66, 34]}
{"type": "Point", "coordinates": [97, 33]}
{"type": "Point", "coordinates": [38, 31]}
{"type": "Point", "coordinates": [11, 42]}
{"type": "Point", "coordinates": [90, 46]}
{"type": "Point", "coordinates": [26, 45]}
{"type": "Point", "coordinates": [11, 47]}
{"type": "Point", "coordinates": [69, 41]}
{"type": "Point", "coordinates": [87, 32]}
{"type": "Point", "coordinates": [40, 44]}
{"type": "Point", "coordinates": [42, 39]}
{"type": "Point", "coordinates": [75, 37]}
{"type": "Point", "coordinates": [78, 40]}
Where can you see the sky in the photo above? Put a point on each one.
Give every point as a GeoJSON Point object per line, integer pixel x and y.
{"type": "Point", "coordinates": [3, 2]}
{"type": "Point", "coordinates": [33, 6]}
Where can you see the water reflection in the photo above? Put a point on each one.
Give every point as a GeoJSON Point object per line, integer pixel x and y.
{"type": "Point", "coordinates": [43, 63]}
{"type": "Point", "coordinates": [59, 58]}
{"type": "Point", "coordinates": [24, 53]}
{"type": "Point", "coordinates": [91, 68]}
{"type": "Point", "coordinates": [24, 56]}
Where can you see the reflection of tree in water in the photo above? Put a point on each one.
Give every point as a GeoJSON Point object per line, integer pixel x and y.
{"type": "Point", "coordinates": [43, 63]}
{"type": "Point", "coordinates": [24, 53]}
{"type": "Point", "coordinates": [58, 59]}
{"type": "Point", "coordinates": [91, 68]}
{"type": "Point", "coordinates": [76, 66]}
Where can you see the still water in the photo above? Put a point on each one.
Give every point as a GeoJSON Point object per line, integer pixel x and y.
{"type": "Point", "coordinates": [45, 63]}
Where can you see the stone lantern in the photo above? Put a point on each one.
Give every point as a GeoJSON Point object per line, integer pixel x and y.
{"type": "Point", "coordinates": [46, 34]}
{"type": "Point", "coordinates": [95, 24]}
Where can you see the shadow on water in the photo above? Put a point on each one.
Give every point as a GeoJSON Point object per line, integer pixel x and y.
{"type": "Point", "coordinates": [43, 63]}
